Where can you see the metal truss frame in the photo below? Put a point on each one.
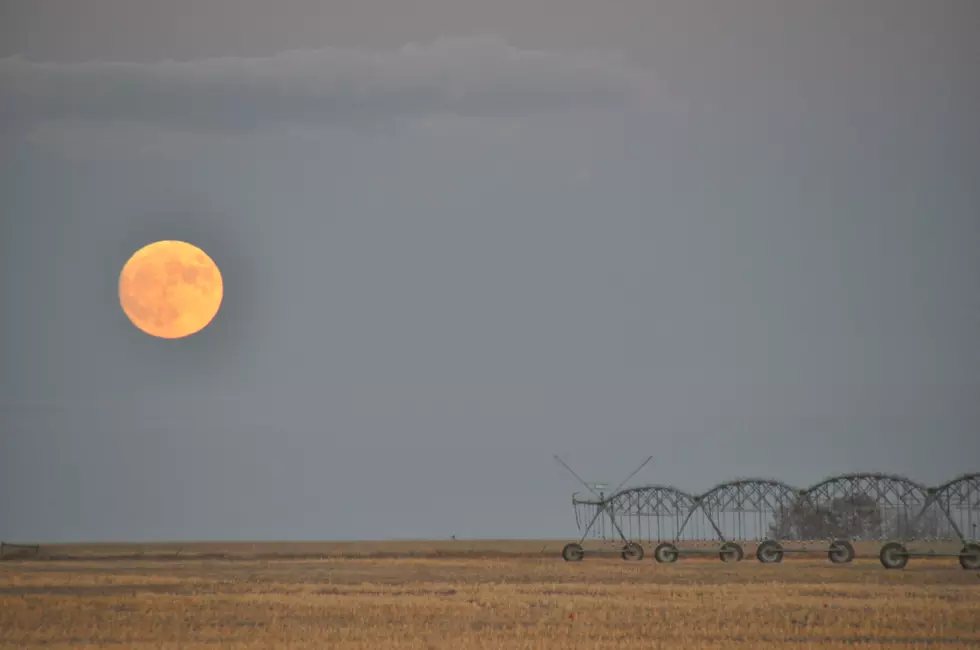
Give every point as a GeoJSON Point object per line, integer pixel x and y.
{"type": "Point", "coordinates": [900, 505]}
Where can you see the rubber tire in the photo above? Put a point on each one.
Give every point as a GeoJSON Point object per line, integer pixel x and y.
{"type": "Point", "coordinates": [769, 552]}
{"type": "Point", "coordinates": [890, 556]}
{"type": "Point", "coordinates": [665, 553]}
{"type": "Point", "coordinates": [632, 552]}
{"type": "Point", "coordinates": [841, 551]}
{"type": "Point", "coordinates": [730, 549]}
{"type": "Point", "coordinates": [970, 563]}
{"type": "Point", "coordinates": [573, 552]}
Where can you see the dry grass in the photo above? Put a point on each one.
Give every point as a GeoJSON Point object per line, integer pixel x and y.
{"type": "Point", "coordinates": [477, 595]}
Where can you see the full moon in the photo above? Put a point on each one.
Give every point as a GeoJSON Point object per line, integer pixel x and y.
{"type": "Point", "coordinates": [170, 289]}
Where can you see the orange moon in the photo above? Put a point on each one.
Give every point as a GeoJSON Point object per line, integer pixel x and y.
{"type": "Point", "coordinates": [170, 289]}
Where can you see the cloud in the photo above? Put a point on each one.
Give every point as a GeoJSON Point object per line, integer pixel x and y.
{"type": "Point", "coordinates": [480, 76]}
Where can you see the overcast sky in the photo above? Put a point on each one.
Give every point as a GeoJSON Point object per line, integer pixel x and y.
{"type": "Point", "coordinates": [458, 237]}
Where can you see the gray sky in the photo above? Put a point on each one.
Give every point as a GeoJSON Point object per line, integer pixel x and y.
{"type": "Point", "coordinates": [460, 237]}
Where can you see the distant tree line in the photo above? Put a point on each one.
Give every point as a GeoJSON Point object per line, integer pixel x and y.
{"type": "Point", "coordinates": [858, 516]}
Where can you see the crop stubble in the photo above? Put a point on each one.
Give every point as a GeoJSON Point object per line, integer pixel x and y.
{"type": "Point", "coordinates": [525, 601]}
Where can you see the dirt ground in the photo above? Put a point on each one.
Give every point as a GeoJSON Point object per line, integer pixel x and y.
{"type": "Point", "coordinates": [464, 595]}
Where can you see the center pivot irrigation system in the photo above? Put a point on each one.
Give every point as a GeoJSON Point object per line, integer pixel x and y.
{"type": "Point", "coordinates": [824, 518]}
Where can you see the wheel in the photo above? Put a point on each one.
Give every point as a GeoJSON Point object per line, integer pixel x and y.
{"type": "Point", "coordinates": [970, 557]}
{"type": "Point", "coordinates": [665, 553]}
{"type": "Point", "coordinates": [769, 552]}
{"type": "Point", "coordinates": [632, 551]}
{"type": "Point", "coordinates": [573, 552]}
{"type": "Point", "coordinates": [841, 551]}
{"type": "Point", "coordinates": [731, 552]}
{"type": "Point", "coordinates": [893, 556]}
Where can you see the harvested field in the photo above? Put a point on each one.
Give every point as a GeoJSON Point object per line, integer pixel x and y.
{"type": "Point", "coordinates": [475, 595]}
